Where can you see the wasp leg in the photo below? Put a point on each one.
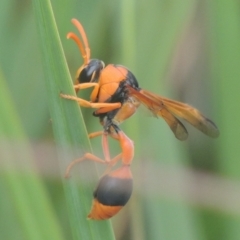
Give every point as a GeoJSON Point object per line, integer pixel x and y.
{"type": "Point", "coordinates": [86, 156]}
{"type": "Point", "coordinates": [100, 133]}
{"type": "Point", "coordinates": [105, 106]}
{"type": "Point", "coordinates": [85, 85]}
{"type": "Point", "coordinates": [89, 156]}
{"type": "Point", "coordinates": [95, 134]}
{"type": "Point", "coordinates": [126, 145]}
{"type": "Point", "coordinates": [105, 145]}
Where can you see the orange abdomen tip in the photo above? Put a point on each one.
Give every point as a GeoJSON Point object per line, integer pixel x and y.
{"type": "Point", "coordinates": [111, 194]}
{"type": "Point", "coordinates": [102, 212]}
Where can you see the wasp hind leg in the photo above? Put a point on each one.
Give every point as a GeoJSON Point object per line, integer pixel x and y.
{"type": "Point", "coordinates": [86, 156]}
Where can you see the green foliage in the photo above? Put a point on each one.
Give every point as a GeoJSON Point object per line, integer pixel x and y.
{"type": "Point", "coordinates": [187, 50]}
{"type": "Point", "coordinates": [67, 130]}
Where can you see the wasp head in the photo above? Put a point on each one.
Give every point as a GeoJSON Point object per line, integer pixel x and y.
{"type": "Point", "coordinates": [91, 71]}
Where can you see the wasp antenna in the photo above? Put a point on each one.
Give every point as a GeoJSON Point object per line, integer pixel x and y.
{"type": "Point", "coordinates": [76, 39]}
{"type": "Point", "coordinates": [80, 28]}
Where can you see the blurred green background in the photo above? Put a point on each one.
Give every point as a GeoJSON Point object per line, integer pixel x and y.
{"type": "Point", "coordinates": [187, 50]}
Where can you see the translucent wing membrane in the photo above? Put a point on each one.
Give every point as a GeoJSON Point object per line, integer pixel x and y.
{"type": "Point", "coordinates": [193, 116]}
{"type": "Point", "coordinates": [176, 126]}
{"type": "Point", "coordinates": [168, 109]}
{"type": "Point", "coordinates": [158, 109]}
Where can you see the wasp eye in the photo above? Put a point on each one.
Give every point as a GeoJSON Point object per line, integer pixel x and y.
{"type": "Point", "coordinates": [91, 72]}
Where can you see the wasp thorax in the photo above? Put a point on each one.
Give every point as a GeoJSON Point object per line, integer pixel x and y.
{"type": "Point", "coordinates": [91, 72]}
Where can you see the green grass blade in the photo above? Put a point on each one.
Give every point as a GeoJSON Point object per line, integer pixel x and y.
{"type": "Point", "coordinates": [68, 125]}
{"type": "Point", "coordinates": [224, 29]}
{"type": "Point", "coordinates": [27, 201]}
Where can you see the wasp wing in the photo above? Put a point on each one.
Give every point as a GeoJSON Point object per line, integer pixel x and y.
{"type": "Point", "coordinates": [158, 109]}
{"type": "Point", "coordinates": [186, 112]}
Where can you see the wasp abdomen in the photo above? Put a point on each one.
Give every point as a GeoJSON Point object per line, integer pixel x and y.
{"type": "Point", "coordinates": [112, 193]}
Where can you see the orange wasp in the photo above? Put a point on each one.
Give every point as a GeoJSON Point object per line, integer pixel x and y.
{"type": "Point", "coordinates": [116, 96]}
